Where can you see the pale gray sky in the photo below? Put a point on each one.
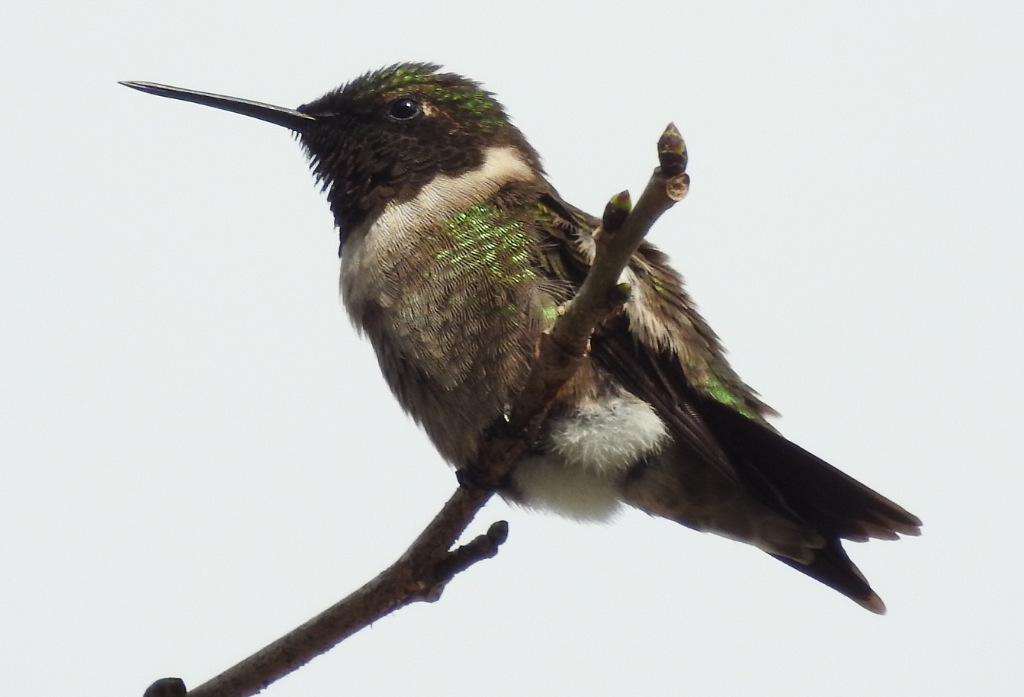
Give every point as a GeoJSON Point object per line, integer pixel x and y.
{"type": "Point", "coordinates": [199, 454]}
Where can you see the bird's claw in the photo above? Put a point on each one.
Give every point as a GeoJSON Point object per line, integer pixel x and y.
{"type": "Point", "coordinates": [473, 478]}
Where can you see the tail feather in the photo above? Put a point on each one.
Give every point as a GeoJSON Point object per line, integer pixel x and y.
{"type": "Point", "coordinates": [832, 567]}
{"type": "Point", "coordinates": [784, 476]}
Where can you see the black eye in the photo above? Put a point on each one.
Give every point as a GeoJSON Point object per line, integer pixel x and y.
{"type": "Point", "coordinates": [404, 108]}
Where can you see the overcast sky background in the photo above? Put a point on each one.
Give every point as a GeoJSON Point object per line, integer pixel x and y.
{"type": "Point", "coordinates": [199, 454]}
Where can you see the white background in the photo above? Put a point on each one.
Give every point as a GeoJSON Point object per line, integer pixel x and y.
{"type": "Point", "coordinates": [198, 453]}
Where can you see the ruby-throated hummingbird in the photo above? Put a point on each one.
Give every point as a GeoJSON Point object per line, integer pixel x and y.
{"type": "Point", "coordinates": [456, 253]}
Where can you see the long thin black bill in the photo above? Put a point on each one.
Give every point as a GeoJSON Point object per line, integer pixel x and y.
{"type": "Point", "coordinates": [289, 118]}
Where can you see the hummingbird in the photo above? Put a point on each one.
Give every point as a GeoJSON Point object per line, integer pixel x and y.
{"type": "Point", "coordinates": [456, 255]}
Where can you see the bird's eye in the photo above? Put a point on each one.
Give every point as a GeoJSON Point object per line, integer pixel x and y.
{"type": "Point", "coordinates": [404, 108]}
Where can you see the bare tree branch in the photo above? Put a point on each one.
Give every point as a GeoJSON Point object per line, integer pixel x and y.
{"type": "Point", "coordinates": [601, 295]}
{"type": "Point", "coordinates": [424, 570]}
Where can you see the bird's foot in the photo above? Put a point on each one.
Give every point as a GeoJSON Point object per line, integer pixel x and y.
{"type": "Point", "coordinates": [474, 478]}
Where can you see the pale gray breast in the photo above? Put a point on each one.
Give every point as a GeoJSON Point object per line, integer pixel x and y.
{"type": "Point", "coordinates": [448, 337]}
